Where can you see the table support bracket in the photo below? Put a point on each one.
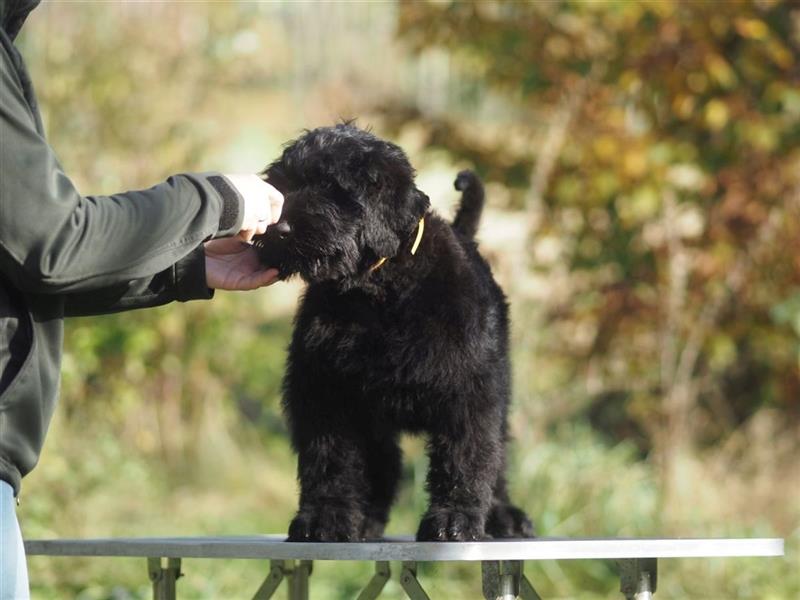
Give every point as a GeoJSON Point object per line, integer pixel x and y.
{"type": "Point", "coordinates": [296, 574]}
{"type": "Point", "coordinates": [373, 589]}
{"type": "Point", "coordinates": [410, 583]}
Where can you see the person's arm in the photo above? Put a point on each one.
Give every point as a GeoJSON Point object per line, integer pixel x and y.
{"type": "Point", "coordinates": [226, 264]}
{"type": "Point", "coordinates": [53, 240]}
{"type": "Point", "coordinates": [183, 281]}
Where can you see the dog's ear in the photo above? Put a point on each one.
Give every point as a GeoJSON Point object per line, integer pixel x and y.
{"type": "Point", "coordinates": [388, 222]}
{"type": "Point", "coordinates": [420, 202]}
{"type": "Point", "coordinates": [380, 235]}
{"type": "Point", "coordinates": [276, 176]}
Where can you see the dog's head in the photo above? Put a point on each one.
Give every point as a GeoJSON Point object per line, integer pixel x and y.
{"type": "Point", "coordinates": [350, 200]}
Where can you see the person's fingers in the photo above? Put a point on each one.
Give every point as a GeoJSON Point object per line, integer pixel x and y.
{"type": "Point", "coordinates": [262, 202]}
{"type": "Point", "coordinates": [231, 245]}
{"type": "Point", "coordinates": [276, 204]}
{"type": "Point", "coordinates": [246, 235]}
{"type": "Point", "coordinates": [263, 278]}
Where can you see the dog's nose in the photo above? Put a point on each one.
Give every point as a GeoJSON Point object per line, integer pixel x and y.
{"type": "Point", "coordinates": [282, 228]}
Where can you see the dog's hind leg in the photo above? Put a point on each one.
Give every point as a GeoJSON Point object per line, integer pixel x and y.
{"type": "Point", "coordinates": [506, 520]}
{"type": "Point", "coordinates": [383, 473]}
{"type": "Point", "coordinates": [463, 470]}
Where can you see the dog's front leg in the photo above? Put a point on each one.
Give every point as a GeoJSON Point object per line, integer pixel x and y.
{"type": "Point", "coordinates": [331, 470]}
{"type": "Point", "coordinates": [463, 469]}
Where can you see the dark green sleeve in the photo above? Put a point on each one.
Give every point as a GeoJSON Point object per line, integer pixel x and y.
{"type": "Point", "coordinates": [183, 281]}
{"type": "Point", "coordinates": [55, 241]}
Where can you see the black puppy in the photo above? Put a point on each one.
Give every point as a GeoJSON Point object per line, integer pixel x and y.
{"type": "Point", "coordinates": [401, 328]}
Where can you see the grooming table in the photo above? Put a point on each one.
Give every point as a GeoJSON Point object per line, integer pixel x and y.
{"type": "Point", "coordinates": [501, 561]}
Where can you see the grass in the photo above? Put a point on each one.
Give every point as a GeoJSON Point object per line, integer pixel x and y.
{"type": "Point", "coordinates": [573, 485]}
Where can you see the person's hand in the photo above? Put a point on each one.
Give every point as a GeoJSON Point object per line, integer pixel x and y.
{"type": "Point", "coordinates": [262, 204]}
{"type": "Point", "coordinates": [232, 264]}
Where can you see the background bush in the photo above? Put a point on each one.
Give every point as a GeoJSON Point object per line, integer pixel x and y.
{"type": "Point", "coordinates": [643, 168]}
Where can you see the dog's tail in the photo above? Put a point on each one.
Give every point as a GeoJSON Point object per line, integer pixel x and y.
{"type": "Point", "coordinates": [469, 210]}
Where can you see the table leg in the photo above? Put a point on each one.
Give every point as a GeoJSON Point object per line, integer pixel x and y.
{"type": "Point", "coordinates": [297, 578]}
{"type": "Point", "coordinates": [164, 577]}
{"type": "Point", "coordinates": [504, 580]}
{"type": "Point", "coordinates": [526, 591]}
{"type": "Point", "coordinates": [638, 578]}
{"type": "Point", "coordinates": [272, 581]}
{"type": "Point", "coordinates": [410, 583]}
{"type": "Point", "coordinates": [377, 583]}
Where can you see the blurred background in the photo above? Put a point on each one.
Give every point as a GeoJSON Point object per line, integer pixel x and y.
{"type": "Point", "coordinates": [642, 161]}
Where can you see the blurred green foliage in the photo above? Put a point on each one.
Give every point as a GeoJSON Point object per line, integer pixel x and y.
{"type": "Point", "coordinates": [649, 151]}
{"type": "Point", "coordinates": [660, 152]}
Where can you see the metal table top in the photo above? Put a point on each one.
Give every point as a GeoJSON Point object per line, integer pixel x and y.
{"type": "Point", "coordinates": [405, 548]}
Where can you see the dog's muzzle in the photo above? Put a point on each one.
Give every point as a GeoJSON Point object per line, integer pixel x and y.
{"type": "Point", "coordinates": [273, 247]}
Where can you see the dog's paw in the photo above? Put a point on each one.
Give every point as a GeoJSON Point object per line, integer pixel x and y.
{"type": "Point", "coordinates": [507, 521]}
{"type": "Point", "coordinates": [451, 525]}
{"type": "Point", "coordinates": [372, 529]}
{"type": "Point", "coordinates": [326, 525]}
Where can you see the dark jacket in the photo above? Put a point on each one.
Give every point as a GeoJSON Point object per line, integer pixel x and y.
{"type": "Point", "coordinates": [64, 254]}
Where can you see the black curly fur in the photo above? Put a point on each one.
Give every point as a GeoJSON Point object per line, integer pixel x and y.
{"type": "Point", "coordinates": [469, 211]}
{"type": "Point", "coordinates": [418, 345]}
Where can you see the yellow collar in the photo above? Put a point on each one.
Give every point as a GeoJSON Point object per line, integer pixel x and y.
{"type": "Point", "coordinates": [414, 247]}
{"type": "Point", "coordinates": [420, 229]}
